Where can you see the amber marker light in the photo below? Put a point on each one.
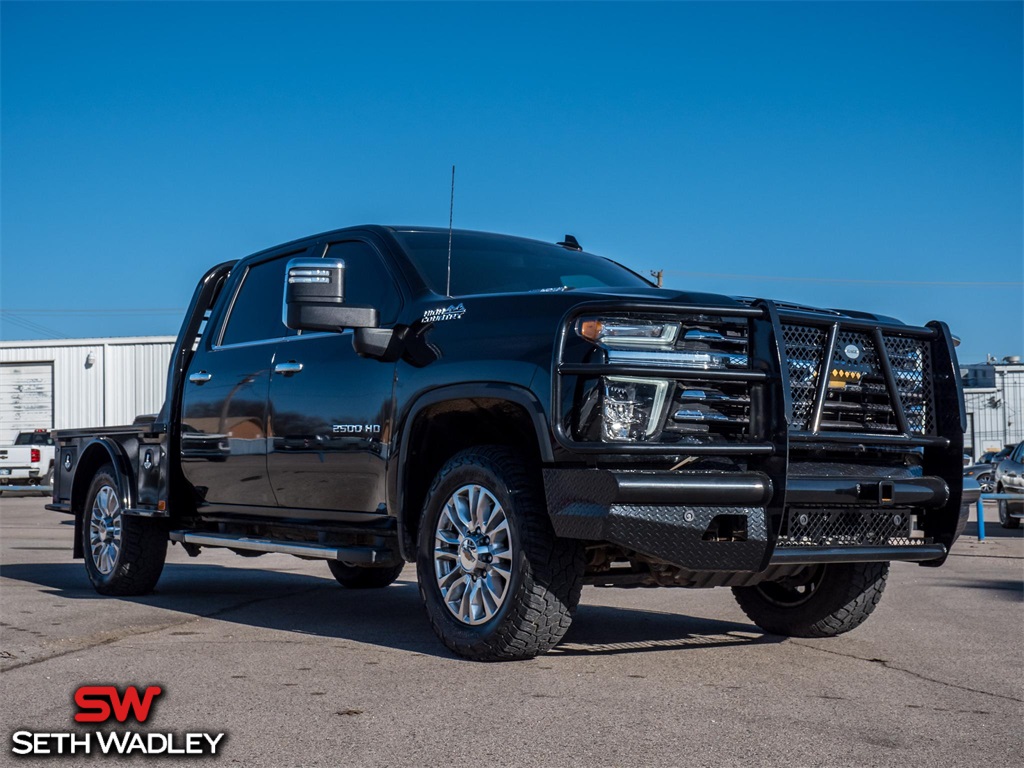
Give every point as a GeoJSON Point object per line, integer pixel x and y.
{"type": "Point", "coordinates": [591, 329]}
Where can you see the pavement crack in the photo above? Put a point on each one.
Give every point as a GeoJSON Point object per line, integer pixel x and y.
{"type": "Point", "coordinates": [889, 665]}
{"type": "Point", "coordinates": [133, 633]}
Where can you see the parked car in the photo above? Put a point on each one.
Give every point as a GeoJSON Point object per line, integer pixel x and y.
{"type": "Point", "coordinates": [28, 461]}
{"type": "Point", "coordinates": [994, 457]}
{"type": "Point", "coordinates": [984, 475]}
{"type": "Point", "coordinates": [519, 418]}
{"type": "Point", "coordinates": [984, 471]}
{"type": "Point", "coordinates": [1009, 478]}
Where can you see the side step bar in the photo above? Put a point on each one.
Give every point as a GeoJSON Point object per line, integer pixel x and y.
{"type": "Point", "coordinates": [356, 555]}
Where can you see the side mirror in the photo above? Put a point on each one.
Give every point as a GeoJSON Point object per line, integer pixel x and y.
{"type": "Point", "coordinates": [315, 298]}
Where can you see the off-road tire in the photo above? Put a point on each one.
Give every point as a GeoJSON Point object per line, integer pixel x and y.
{"type": "Point", "coordinates": [547, 571]}
{"type": "Point", "coordinates": [364, 577]}
{"type": "Point", "coordinates": [142, 553]}
{"type": "Point", "coordinates": [845, 595]}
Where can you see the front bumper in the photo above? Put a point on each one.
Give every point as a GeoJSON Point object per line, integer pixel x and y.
{"type": "Point", "coordinates": [721, 521]}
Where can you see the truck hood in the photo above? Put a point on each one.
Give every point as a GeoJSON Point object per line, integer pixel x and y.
{"type": "Point", "coordinates": [671, 296]}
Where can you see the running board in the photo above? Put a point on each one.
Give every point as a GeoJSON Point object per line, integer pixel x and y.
{"type": "Point", "coordinates": [356, 555]}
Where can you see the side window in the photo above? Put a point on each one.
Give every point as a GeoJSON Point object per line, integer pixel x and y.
{"type": "Point", "coordinates": [367, 280]}
{"type": "Point", "coordinates": [256, 313]}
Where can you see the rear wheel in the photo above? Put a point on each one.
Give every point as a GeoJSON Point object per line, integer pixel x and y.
{"type": "Point", "coordinates": [818, 601]}
{"type": "Point", "coordinates": [987, 482]}
{"type": "Point", "coordinates": [124, 555]}
{"type": "Point", "coordinates": [496, 581]}
{"type": "Point", "coordinates": [364, 577]}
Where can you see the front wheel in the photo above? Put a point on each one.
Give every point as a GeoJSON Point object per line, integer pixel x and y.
{"type": "Point", "coordinates": [987, 482]}
{"type": "Point", "coordinates": [818, 601]}
{"type": "Point", "coordinates": [1005, 519]}
{"type": "Point", "coordinates": [496, 581]}
{"type": "Point", "coordinates": [124, 555]}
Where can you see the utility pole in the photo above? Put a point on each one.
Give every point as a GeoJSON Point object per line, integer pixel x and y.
{"type": "Point", "coordinates": [657, 275]}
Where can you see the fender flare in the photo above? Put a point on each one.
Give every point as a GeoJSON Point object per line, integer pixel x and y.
{"type": "Point", "coordinates": [490, 390]}
{"type": "Point", "coordinates": [80, 485]}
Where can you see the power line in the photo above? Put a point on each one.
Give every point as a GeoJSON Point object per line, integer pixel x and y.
{"type": "Point", "coordinates": [778, 278]}
{"type": "Point", "coordinates": [29, 325]}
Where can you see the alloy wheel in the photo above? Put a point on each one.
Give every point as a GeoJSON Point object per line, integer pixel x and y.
{"type": "Point", "coordinates": [473, 554]}
{"type": "Point", "coordinates": [105, 529]}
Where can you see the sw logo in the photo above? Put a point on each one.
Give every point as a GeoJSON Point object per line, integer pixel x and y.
{"type": "Point", "coordinates": [104, 704]}
{"type": "Point", "coordinates": [97, 703]}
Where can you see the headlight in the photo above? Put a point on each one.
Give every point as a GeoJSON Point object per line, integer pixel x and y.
{"type": "Point", "coordinates": [658, 343]}
{"type": "Point", "coordinates": [629, 334]}
{"type": "Point", "coordinates": [632, 407]}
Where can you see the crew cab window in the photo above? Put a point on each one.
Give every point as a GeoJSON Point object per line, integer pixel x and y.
{"type": "Point", "coordinates": [256, 312]}
{"type": "Point", "coordinates": [367, 280]}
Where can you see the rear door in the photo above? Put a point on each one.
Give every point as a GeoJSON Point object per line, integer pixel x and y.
{"type": "Point", "coordinates": [224, 417]}
{"type": "Point", "coordinates": [331, 410]}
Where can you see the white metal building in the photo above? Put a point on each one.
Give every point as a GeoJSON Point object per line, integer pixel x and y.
{"type": "Point", "coordinates": [80, 382]}
{"type": "Point", "coordinates": [994, 396]}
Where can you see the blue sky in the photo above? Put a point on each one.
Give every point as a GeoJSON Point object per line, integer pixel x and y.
{"type": "Point", "coordinates": [725, 143]}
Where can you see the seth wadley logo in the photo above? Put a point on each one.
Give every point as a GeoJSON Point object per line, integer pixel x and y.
{"type": "Point", "coordinates": [102, 703]}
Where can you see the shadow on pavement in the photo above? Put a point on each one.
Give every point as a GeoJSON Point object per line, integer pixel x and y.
{"type": "Point", "coordinates": [391, 617]}
{"type": "Point", "coordinates": [1010, 589]}
{"type": "Point", "coordinates": [993, 530]}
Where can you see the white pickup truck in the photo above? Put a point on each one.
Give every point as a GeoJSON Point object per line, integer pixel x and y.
{"type": "Point", "coordinates": [29, 461]}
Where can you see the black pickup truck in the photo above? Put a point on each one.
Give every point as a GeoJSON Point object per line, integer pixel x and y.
{"type": "Point", "coordinates": [521, 418]}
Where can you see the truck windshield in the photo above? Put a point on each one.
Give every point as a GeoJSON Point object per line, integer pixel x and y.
{"type": "Point", "coordinates": [483, 263]}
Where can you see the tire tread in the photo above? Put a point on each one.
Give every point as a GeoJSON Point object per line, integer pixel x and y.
{"type": "Point", "coordinates": [143, 549]}
{"type": "Point", "coordinates": [851, 594]}
{"type": "Point", "coordinates": [552, 584]}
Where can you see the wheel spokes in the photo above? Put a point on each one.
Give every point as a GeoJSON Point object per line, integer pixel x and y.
{"type": "Point", "coordinates": [473, 554]}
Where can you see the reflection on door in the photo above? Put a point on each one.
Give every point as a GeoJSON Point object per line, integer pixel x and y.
{"type": "Point", "coordinates": [224, 425]}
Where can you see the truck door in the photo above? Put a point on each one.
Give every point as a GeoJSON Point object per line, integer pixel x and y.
{"type": "Point", "coordinates": [224, 404]}
{"type": "Point", "coordinates": [331, 410]}
{"type": "Point", "coordinates": [1012, 470]}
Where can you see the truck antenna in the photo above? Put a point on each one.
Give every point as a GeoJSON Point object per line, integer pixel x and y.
{"type": "Point", "coordinates": [451, 211]}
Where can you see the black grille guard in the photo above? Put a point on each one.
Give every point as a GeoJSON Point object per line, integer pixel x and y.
{"type": "Point", "coordinates": [773, 430]}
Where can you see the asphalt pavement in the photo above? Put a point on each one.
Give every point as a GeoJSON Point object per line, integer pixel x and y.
{"type": "Point", "coordinates": [298, 671]}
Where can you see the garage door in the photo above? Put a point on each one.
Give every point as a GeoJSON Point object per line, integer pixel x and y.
{"type": "Point", "coordinates": [26, 398]}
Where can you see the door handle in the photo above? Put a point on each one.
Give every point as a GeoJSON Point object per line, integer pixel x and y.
{"type": "Point", "coordinates": [200, 377]}
{"type": "Point", "coordinates": [288, 369]}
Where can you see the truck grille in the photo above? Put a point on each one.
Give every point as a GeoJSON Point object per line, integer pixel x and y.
{"type": "Point", "coordinates": [804, 348]}
{"type": "Point", "coordinates": [712, 409]}
{"type": "Point", "coordinates": [846, 528]}
{"type": "Point", "coordinates": [912, 365]}
{"type": "Point", "coordinates": [857, 398]}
